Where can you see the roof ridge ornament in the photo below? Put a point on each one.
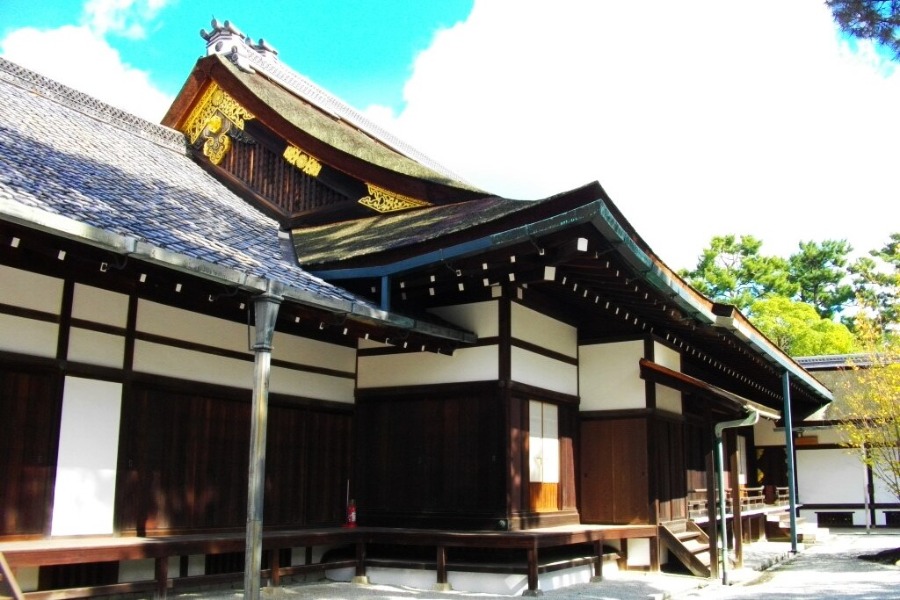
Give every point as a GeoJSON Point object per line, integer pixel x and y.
{"type": "Point", "coordinates": [238, 47]}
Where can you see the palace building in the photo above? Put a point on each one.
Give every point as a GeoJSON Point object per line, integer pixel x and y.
{"type": "Point", "coordinates": [269, 299]}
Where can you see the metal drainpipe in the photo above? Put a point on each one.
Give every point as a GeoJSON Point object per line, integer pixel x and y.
{"type": "Point", "coordinates": [750, 419]}
{"type": "Point", "coordinates": [385, 293]}
{"type": "Point", "coordinates": [266, 307]}
{"type": "Point", "coordinates": [789, 448]}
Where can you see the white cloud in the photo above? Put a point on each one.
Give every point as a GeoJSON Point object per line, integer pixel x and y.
{"type": "Point", "coordinates": [79, 58]}
{"type": "Point", "coordinates": [127, 18]}
{"type": "Point", "coordinates": [699, 118]}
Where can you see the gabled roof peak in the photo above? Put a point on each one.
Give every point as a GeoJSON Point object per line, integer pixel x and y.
{"type": "Point", "coordinates": [226, 39]}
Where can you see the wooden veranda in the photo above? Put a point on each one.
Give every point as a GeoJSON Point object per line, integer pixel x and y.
{"type": "Point", "coordinates": [533, 544]}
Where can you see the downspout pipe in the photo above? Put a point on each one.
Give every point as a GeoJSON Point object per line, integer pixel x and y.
{"type": "Point", "coordinates": [266, 306]}
{"type": "Point", "coordinates": [789, 450]}
{"type": "Point", "coordinates": [751, 419]}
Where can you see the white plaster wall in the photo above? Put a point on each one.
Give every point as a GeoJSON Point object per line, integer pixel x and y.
{"type": "Point", "coordinates": [310, 385]}
{"type": "Point", "coordinates": [882, 493]}
{"type": "Point", "coordinates": [667, 357]}
{"type": "Point", "coordinates": [100, 306]}
{"type": "Point", "coordinates": [96, 348]}
{"type": "Point", "coordinates": [667, 399]}
{"type": "Point", "coordinates": [86, 467]}
{"type": "Point", "coordinates": [419, 368]}
{"type": "Point", "coordinates": [638, 552]}
{"type": "Point", "coordinates": [826, 436]}
{"type": "Point", "coordinates": [543, 372]}
{"type": "Point", "coordinates": [144, 569]}
{"type": "Point", "coordinates": [27, 577]}
{"type": "Point", "coordinates": [193, 327]}
{"type": "Point", "coordinates": [609, 376]}
{"type": "Point", "coordinates": [531, 326]}
{"type": "Point", "coordinates": [481, 318]}
{"type": "Point", "coordinates": [18, 334]}
{"type": "Point", "coordinates": [314, 353]}
{"type": "Point", "coordinates": [30, 290]}
{"type": "Point", "coordinates": [764, 434]}
{"type": "Point", "coordinates": [493, 584]}
{"type": "Point", "coordinates": [829, 476]}
{"type": "Point", "coordinates": [164, 360]}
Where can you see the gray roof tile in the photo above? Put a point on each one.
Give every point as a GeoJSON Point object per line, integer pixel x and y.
{"type": "Point", "coordinates": [69, 154]}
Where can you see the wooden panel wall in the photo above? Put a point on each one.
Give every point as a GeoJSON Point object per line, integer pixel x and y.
{"type": "Point", "coordinates": [671, 477]}
{"type": "Point", "coordinates": [30, 405]}
{"type": "Point", "coordinates": [614, 471]}
{"type": "Point", "coordinates": [183, 462]}
{"type": "Point", "coordinates": [271, 176]}
{"type": "Point", "coordinates": [430, 459]}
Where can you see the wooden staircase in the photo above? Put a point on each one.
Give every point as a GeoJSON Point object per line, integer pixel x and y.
{"type": "Point", "coordinates": [689, 543]}
{"type": "Point", "coordinates": [9, 587]}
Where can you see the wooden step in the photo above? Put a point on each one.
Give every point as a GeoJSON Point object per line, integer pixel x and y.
{"type": "Point", "coordinates": [689, 544]}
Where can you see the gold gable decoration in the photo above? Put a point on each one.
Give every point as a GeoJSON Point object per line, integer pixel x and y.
{"type": "Point", "coordinates": [211, 120]}
{"type": "Point", "coordinates": [303, 161]}
{"type": "Point", "coordinates": [384, 201]}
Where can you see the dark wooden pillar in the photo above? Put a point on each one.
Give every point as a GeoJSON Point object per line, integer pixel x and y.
{"type": "Point", "coordinates": [712, 508]}
{"type": "Point", "coordinates": [161, 571]}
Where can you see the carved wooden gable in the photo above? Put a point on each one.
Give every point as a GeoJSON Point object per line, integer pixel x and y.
{"type": "Point", "coordinates": [293, 150]}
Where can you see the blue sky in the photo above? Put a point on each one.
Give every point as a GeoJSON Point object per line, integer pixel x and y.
{"type": "Point", "coordinates": [699, 118]}
{"type": "Point", "coordinates": [362, 50]}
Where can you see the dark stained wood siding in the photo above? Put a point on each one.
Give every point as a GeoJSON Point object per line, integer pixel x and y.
{"type": "Point", "coordinates": [268, 174]}
{"type": "Point", "coordinates": [670, 472]}
{"type": "Point", "coordinates": [430, 459]}
{"type": "Point", "coordinates": [30, 406]}
{"type": "Point", "coordinates": [183, 462]}
{"type": "Point", "coordinates": [614, 471]}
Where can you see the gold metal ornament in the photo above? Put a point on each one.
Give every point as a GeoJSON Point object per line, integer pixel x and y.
{"type": "Point", "coordinates": [384, 201]}
{"type": "Point", "coordinates": [302, 161]}
{"type": "Point", "coordinates": [212, 118]}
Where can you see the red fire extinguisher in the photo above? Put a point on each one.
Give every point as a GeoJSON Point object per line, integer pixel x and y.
{"type": "Point", "coordinates": [351, 514]}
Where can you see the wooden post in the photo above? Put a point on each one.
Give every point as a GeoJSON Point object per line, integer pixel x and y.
{"type": "Point", "coordinates": [360, 576]}
{"type": "Point", "coordinates": [598, 550]}
{"type": "Point", "coordinates": [161, 570]}
{"type": "Point", "coordinates": [712, 510]}
{"type": "Point", "coordinates": [441, 564]}
{"type": "Point", "coordinates": [532, 572]}
{"type": "Point", "coordinates": [275, 566]}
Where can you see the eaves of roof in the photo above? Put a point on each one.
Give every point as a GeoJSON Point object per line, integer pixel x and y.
{"type": "Point", "coordinates": [605, 218]}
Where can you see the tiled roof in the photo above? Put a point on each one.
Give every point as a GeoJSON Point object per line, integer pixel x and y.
{"type": "Point", "coordinates": [262, 58]}
{"type": "Point", "coordinates": [341, 241]}
{"type": "Point", "coordinates": [66, 153]}
{"type": "Point", "coordinates": [335, 131]}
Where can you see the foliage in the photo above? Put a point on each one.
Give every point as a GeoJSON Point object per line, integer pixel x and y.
{"type": "Point", "coordinates": [820, 272]}
{"type": "Point", "coordinates": [797, 328]}
{"type": "Point", "coordinates": [875, 20]}
{"type": "Point", "coordinates": [877, 285]}
{"type": "Point", "coordinates": [869, 408]}
{"type": "Point", "coordinates": [733, 271]}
